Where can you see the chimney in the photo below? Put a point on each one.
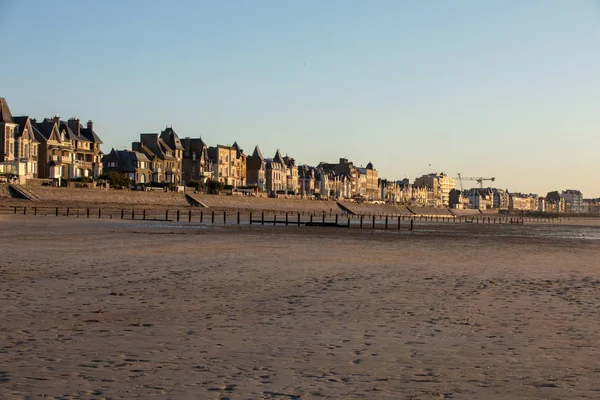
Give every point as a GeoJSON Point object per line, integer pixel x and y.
{"type": "Point", "coordinates": [57, 120]}
{"type": "Point", "coordinates": [75, 126]}
{"type": "Point", "coordinates": [90, 125]}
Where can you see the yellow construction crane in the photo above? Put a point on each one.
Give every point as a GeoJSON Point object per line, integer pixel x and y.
{"type": "Point", "coordinates": [479, 180]}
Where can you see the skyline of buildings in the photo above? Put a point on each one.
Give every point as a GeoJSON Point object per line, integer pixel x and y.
{"type": "Point", "coordinates": [65, 150]}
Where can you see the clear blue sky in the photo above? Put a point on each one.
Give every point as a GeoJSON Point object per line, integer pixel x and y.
{"type": "Point", "coordinates": [505, 88]}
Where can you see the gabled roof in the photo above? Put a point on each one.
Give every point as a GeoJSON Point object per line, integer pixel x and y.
{"type": "Point", "coordinates": [5, 115]}
{"type": "Point", "coordinates": [290, 162]}
{"type": "Point", "coordinates": [90, 135]}
{"type": "Point", "coordinates": [278, 158]}
{"type": "Point", "coordinates": [239, 151]}
{"type": "Point", "coordinates": [46, 130]}
{"type": "Point", "coordinates": [271, 163]}
{"type": "Point", "coordinates": [25, 125]}
{"type": "Point", "coordinates": [147, 150]}
{"type": "Point", "coordinates": [66, 129]}
{"type": "Point", "coordinates": [125, 159]}
{"type": "Point", "coordinates": [194, 145]}
{"type": "Point", "coordinates": [257, 153]}
{"type": "Point", "coordinates": [154, 146]}
{"type": "Point", "coordinates": [171, 139]}
{"type": "Point", "coordinates": [165, 150]}
{"type": "Point", "coordinates": [304, 171]}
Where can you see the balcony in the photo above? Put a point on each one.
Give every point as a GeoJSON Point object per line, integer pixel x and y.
{"type": "Point", "coordinates": [83, 163]}
{"type": "Point", "coordinates": [62, 159]}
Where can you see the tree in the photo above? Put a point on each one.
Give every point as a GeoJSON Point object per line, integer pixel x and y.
{"type": "Point", "coordinates": [214, 187]}
{"type": "Point", "coordinates": [197, 185]}
{"type": "Point", "coordinates": [117, 180]}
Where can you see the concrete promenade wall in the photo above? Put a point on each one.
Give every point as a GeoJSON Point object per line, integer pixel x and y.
{"type": "Point", "coordinates": [431, 211]}
{"type": "Point", "coordinates": [160, 199]}
{"type": "Point", "coordinates": [465, 213]}
{"type": "Point", "coordinates": [268, 204]}
{"type": "Point", "coordinates": [376, 209]}
{"type": "Point", "coordinates": [4, 191]}
{"type": "Point", "coordinates": [67, 195]}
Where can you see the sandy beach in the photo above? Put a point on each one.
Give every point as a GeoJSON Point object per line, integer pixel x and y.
{"type": "Point", "coordinates": [129, 309]}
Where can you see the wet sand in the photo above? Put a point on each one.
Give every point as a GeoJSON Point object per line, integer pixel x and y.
{"type": "Point", "coordinates": [117, 309]}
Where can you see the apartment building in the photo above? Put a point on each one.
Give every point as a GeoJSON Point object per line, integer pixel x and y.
{"type": "Point", "coordinates": [441, 184]}
{"type": "Point", "coordinates": [291, 175]}
{"type": "Point", "coordinates": [133, 165]}
{"type": "Point", "coordinates": [573, 201]}
{"type": "Point", "coordinates": [276, 174]}
{"type": "Point", "coordinates": [18, 145]}
{"type": "Point", "coordinates": [223, 164]}
{"type": "Point", "coordinates": [240, 171]}
{"type": "Point", "coordinates": [196, 163]}
{"type": "Point", "coordinates": [165, 154]}
{"type": "Point", "coordinates": [256, 170]}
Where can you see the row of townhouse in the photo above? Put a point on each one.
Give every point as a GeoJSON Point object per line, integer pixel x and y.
{"type": "Point", "coordinates": [164, 157]}
{"type": "Point", "coordinates": [403, 192]}
{"type": "Point", "coordinates": [570, 201]}
{"type": "Point", "coordinates": [493, 199]}
{"type": "Point", "coordinates": [48, 149]}
{"type": "Point", "coordinates": [61, 150]}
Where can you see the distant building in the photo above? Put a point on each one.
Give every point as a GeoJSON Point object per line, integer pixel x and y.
{"type": "Point", "coordinates": [133, 165]}
{"type": "Point", "coordinates": [591, 206]}
{"type": "Point", "coordinates": [573, 201]}
{"type": "Point", "coordinates": [67, 150]}
{"type": "Point", "coordinates": [459, 200]}
{"type": "Point", "coordinates": [276, 174]}
{"type": "Point", "coordinates": [165, 153]}
{"type": "Point", "coordinates": [222, 163]}
{"type": "Point", "coordinates": [228, 164]}
{"type": "Point", "coordinates": [26, 147]}
{"type": "Point", "coordinates": [481, 198]}
{"type": "Point", "coordinates": [441, 184]}
{"type": "Point", "coordinates": [18, 145]}
{"type": "Point", "coordinates": [370, 177]}
{"type": "Point", "coordinates": [306, 180]}
{"type": "Point", "coordinates": [195, 163]}
{"type": "Point", "coordinates": [291, 175]}
{"type": "Point", "coordinates": [501, 199]}
{"type": "Point", "coordinates": [523, 202]}
{"type": "Point", "coordinates": [555, 202]}
{"type": "Point", "coordinates": [8, 134]}
{"type": "Point", "coordinates": [256, 169]}
{"type": "Point", "coordinates": [240, 171]}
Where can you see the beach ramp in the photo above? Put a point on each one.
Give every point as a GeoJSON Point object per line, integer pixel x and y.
{"type": "Point", "coordinates": [194, 202]}
{"type": "Point", "coordinates": [345, 209]}
{"type": "Point", "coordinates": [19, 192]}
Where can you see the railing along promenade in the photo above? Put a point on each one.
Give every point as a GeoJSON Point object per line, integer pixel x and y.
{"type": "Point", "coordinates": [265, 218]}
